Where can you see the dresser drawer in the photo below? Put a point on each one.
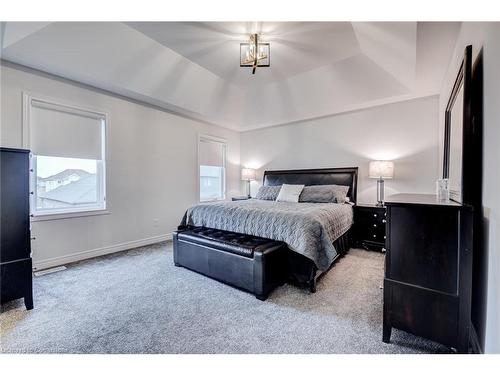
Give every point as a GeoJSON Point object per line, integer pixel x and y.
{"type": "Point", "coordinates": [424, 248]}
{"type": "Point", "coordinates": [375, 234]}
{"type": "Point", "coordinates": [409, 306]}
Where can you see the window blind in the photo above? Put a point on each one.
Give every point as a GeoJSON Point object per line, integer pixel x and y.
{"type": "Point", "coordinates": [211, 153]}
{"type": "Point", "coordinates": [57, 130]}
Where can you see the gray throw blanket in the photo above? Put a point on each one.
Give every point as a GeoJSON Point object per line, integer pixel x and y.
{"type": "Point", "coordinates": [307, 228]}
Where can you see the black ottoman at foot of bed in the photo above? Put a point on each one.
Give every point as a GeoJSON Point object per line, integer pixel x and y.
{"type": "Point", "coordinates": [247, 262]}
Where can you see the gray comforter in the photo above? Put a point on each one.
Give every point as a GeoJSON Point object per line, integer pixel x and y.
{"type": "Point", "coordinates": [307, 228]}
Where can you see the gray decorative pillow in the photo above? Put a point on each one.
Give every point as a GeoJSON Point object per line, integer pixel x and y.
{"type": "Point", "coordinates": [317, 194]}
{"type": "Point", "coordinates": [340, 193]}
{"type": "Point", "coordinates": [324, 194]}
{"type": "Point", "coordinates": [268, 193]}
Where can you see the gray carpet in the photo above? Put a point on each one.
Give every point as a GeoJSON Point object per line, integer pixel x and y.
{"type": "Point", "coordinates": [138, 302]}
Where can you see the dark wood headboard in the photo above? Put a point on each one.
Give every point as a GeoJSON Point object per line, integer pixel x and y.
{"type": "Point", "coordinates": [323, 176]}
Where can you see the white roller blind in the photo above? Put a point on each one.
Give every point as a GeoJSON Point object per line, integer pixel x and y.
{"type": "Point", "coordinates": [65, 132]}
{"type": "Point", "coordinates": [211, 153]}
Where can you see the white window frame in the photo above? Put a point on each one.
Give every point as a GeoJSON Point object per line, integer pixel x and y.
{"type": "Point", "coordinates": [223, 142]}
{"type": "Point", "coordinates": [63, 213]}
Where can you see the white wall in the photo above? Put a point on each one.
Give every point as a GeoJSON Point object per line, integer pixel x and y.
{"type": "Point", "coordinates": [486, 36]}
{"type": "Point", "coordinates": [405, 132]}
{"type": "Point", "coordinates": [151, 169]}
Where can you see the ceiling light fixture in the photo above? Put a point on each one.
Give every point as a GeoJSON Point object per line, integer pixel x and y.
{"type": "Point", "coordinates": [255, 53]}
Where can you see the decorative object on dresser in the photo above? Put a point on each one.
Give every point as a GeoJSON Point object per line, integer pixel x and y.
{"type": "Point", "coordinates": [15, 254]}
{"type": "Point", "coordinates": [369, 227]}
{"type": "Point", "coordinates": [381, 169]}
{"type": "Point", "coordinates": [248, 174]}
{"type": "Point", "coordinates": [443, 189]}
{"type": "Point", "coordinates": [428, 269]}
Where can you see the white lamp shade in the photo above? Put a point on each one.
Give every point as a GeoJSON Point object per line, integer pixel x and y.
{"type": "Point", "coordinates": [248, 174]}
{"type": "Point", "coordinates": [381, 169]}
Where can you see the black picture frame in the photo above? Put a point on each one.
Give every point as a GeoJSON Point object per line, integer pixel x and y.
{"type": "Point", "coordinates": [462, 82]}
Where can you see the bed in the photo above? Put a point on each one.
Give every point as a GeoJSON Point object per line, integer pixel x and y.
{"type": "Point", "coordinates": [316, 234]}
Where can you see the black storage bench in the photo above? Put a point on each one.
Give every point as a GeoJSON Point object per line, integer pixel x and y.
{"type": "Point", "coordinates": [247, 262]}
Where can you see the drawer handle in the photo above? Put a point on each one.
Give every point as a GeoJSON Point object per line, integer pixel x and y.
{"type": "Point", "coordinates": [385, 237]}
{"type": "Point", "coordinates": [384, 221]}
{"type": "Point", "coordinates": [374, 215]}
{"type": "Point", "coordinates": [374, 236]}
{"type": "Point", "coordinates": [375, 225]}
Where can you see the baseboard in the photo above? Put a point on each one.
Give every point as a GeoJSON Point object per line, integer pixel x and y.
{"type": "Point", "coordinates": [82, 255]}
{"type": "Point", "coordinates": [474, 341]}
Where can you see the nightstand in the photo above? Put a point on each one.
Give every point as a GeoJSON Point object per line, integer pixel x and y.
{"type": "Point", "coordinates": [244, 198]}
{"type": "Point", "coordinates": [369, 227]}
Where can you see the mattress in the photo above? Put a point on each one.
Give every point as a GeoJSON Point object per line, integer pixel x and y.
{"type": "Point", "coordinates": [307, 228]}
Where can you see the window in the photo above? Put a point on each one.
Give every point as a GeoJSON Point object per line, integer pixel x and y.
{"type": "Point", "coordinates": [68, 164]}
{"type": "Point", "coordinates": [212, 168]}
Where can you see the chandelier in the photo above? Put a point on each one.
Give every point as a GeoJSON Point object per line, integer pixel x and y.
{"type": "Point", "coordinates": [254, 53]}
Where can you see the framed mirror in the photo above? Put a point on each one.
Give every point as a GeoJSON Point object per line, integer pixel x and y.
{"type": "Point", "coordinates": [458, 123]}
{"type": "Point", "coordinates": [463, 163]}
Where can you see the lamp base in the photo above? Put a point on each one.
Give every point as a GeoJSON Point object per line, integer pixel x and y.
{"type": "Point", "coordinates": [380, 192]}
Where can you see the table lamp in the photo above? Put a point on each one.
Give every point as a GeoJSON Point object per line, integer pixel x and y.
{"type": "Point", "coordinates": [248, 174]}
{"type": "Point", "coordinates": [381, 169]}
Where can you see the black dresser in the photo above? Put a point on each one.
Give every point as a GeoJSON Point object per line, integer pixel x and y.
{"type": "Point", "coordinates": [15, 250]}
{"type": "Point", "coordinates": [428, 269]}
{"type": "Point", "coordinates": [369, 227]}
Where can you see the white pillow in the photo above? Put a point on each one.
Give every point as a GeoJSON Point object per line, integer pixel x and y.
{"type": "Point", "coordinates": [289, 193]}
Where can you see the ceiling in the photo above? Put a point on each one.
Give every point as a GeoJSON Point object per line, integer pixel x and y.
{"type": "Point", "coordinates": [317, 68]}
{"type": "Point", "coordinates": [296, 47]}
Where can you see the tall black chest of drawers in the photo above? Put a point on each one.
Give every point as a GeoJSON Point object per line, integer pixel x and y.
{"type": "Point", "coordinates": [15, 250]}
{"type": "Point", "coordinates": [428, 269]}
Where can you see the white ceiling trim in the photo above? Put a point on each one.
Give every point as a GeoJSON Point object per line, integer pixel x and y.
{"type": "Point", "coordinates": [355, 108]}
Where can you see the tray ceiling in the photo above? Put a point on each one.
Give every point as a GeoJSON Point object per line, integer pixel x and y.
{"type": "Point", "coordinates": [317, 68]}
{"type": "Point", "coordinates": [296, 47]}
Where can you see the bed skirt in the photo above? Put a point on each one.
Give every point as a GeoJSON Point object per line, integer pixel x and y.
{"type": "Point", "coordinates": [303, 272]}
